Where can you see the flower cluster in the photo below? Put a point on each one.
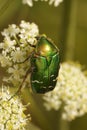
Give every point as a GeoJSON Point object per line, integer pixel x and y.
{"type": "Point", "coordinates": [12, 115]}
{"type": "Point", "coordinates": [15, 51]}
{"type": "Point", "coordinates": [30, 2]}
{"type": "Point", "coordinates": [16, 48]}
{"type": "Point", "coordinates": [70, 92]}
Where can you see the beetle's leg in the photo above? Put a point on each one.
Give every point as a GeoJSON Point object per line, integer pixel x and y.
{"type": "Point", "coordinates": [26, 58]}
{"type": "Point", "coordinates": [21, 85]}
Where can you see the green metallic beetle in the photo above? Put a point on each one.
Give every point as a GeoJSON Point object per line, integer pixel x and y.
{"type": "Point", "coordinates": [44, 66]}
{"type": "Point", "coordinates": [45, 63]}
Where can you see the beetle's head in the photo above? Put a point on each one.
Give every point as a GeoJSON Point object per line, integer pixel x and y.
{"type": "Point", "coordinates": [45, 47]}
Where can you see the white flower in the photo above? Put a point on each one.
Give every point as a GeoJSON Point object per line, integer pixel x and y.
{"type": "Point", "coordinates": [70, 92]}
{"type": "Point", "coordinates": [18, 55]}
{"type": "Point", "coordinates": [28, 32]}
{"type": "Point", "coordinates": [5, 60]}
{"type": "Point", "coordinates": [56, 2]}
{"type": "Point", "coordinates": [12, 115]}
{"type": "Point", "coordinates": [8, 44]}
{"type": "Point", "coordinates": [30, 2]}
{"type": "Point", "coordinates": [12, 30]}
{"type": "Point", "coordinates": [15, 49]}
{"type": "Point", "coordinates": [16, 71]}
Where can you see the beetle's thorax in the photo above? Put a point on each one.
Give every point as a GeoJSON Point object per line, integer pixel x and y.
{"type": "Point", "coordinates": [45, 47]}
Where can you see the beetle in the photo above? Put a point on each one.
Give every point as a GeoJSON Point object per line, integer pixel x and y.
{"type": "Point", "coordinates": [44, 66]}
{"type": "Point", "coordinates": [45, 63]}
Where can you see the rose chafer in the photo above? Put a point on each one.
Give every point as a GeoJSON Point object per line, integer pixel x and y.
{"type": "Point", "coordinates": [45, 64]}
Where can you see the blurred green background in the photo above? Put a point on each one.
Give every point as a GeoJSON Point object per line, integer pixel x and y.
{"type": "Point", "coordinates": [66, 25]}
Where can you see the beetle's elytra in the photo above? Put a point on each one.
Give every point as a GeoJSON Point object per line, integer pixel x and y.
{"type": "Point", "coordinates": [45, 64]}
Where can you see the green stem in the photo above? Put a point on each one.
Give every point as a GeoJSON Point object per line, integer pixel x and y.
{"type": "Point", "coordinates": [64, 125]}
{"type": "Point", "coordinates": [40, 117]}
{"type": "Point", "coordinates": [70, 28]}
{"type": "Point", "coordinates": [69, 34]}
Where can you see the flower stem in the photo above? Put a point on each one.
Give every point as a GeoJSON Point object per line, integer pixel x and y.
{"type": "Point", "coordinates": [70, 28]}
{"type": "Point", "coordinates": [64, 125]}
